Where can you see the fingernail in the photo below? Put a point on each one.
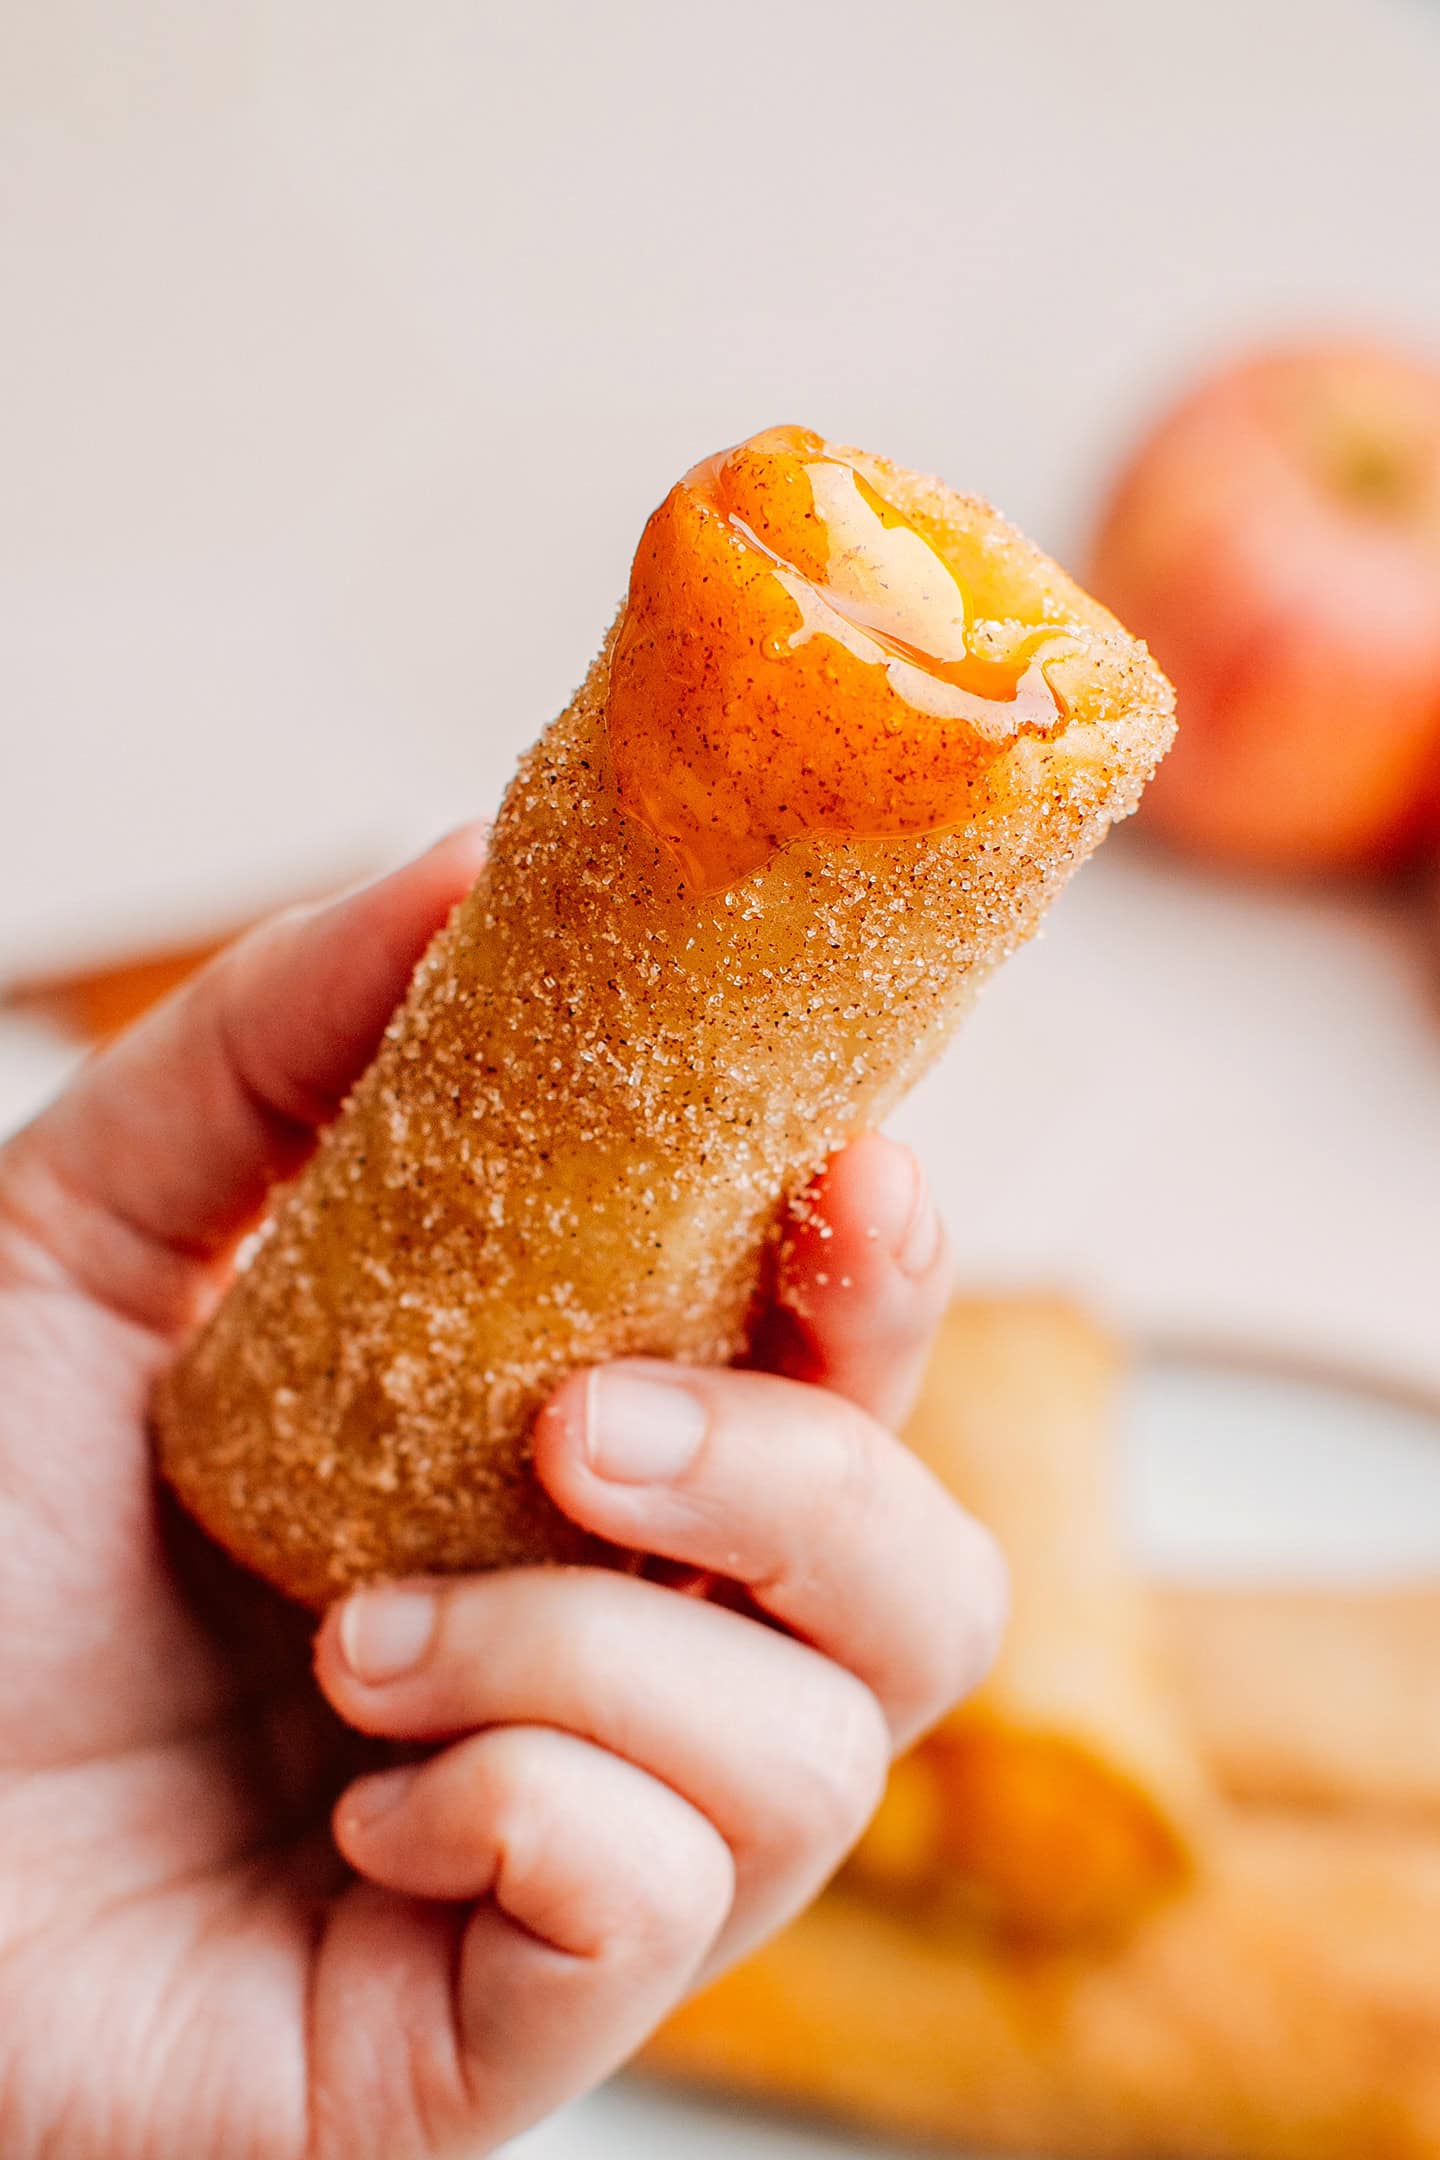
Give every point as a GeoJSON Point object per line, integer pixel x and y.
{"type": "Point", "coordinates": [384, 1633]}
{"type": "Point", "coordinates": [375, 1796]}
{"type": "Point", "coordinates": [920, 1240]}
{"type": "Point", "coordinates": [639, 1429]}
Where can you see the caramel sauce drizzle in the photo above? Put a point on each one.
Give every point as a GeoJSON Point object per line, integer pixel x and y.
{"type": "Point", "coordinates": [797, 656]}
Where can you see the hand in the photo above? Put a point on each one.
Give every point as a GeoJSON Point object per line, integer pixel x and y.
{"type": "Point", "coordinates": [614, 1782]}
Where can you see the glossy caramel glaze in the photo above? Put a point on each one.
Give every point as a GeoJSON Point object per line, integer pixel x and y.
{"type": "Point", "coordinates": [817, 656]}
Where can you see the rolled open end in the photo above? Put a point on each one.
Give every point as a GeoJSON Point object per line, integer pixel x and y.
{"type": "Point", "coordinates": [807, 649]}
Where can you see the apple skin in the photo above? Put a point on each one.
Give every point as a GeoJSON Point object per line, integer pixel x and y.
{"type": "Point", "coordinates": [1276, 541]}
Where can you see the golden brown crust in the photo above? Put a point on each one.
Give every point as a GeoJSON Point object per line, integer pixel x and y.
{"type": "Point", "coordinates": [579, 1132]}
{"type": "Point", "coordinates": [1066, 1794]}
{"type": "Point", "coordinates": [1312, 1696]}
{"type": "Point", "coordinates": [1285, 2009]}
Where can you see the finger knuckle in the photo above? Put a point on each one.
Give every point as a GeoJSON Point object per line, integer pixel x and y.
{"type": "Point", "coordinates": [627, 1874]}
{"type": "Point", "coordinates": [952, 1641]}
{"type": "Point", "coordinates": [832, 1488]}
{"type": "Point", "coordinates": [678, 1900]}
{"type": "Point", "coordinates": [840, 1765]}
{"type": "Point", "coordinates": [852, 1472]}
{"type": "Point", "coordinates": [658, 1895]}
{"type": "Point", "coordinates": [979, 1607]}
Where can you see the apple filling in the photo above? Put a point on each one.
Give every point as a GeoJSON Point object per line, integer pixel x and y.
{"type": "Point", "coordinates": [797, 655]}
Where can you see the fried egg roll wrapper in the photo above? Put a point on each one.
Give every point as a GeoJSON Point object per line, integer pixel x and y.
{"type": "Point", "coordinates": [1287, 2007]}
{"type": "Point", "coordinates": [848, 737]}
{"type": "Point", "coordinates": [1065, 1795]}
{"type": "Point", "coordinates": [1319, 1697]}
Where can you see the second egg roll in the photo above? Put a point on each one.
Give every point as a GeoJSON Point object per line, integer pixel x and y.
{"type": "Point", "coordinates": [1322, 1695]}
{"type": "Point", "coordinates": [1285, 2008]}
{"type": "Point", "coordinates": [1066, 1794]}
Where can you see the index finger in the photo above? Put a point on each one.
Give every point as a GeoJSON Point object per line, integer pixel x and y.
{"type": "Point", "coordinates": [863, 1279]}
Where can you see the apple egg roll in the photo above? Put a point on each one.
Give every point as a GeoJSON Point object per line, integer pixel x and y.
{"type": "Point", "coordinates": [847, 737]}
{"type": "Point", "coordinates": [1066, 1795]}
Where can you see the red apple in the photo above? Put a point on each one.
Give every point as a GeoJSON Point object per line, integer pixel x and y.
{"type": "Point", "coordinates": [1277, 542]}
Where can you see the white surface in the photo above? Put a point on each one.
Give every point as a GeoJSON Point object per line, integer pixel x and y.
{"type": "Point", "coordinates": [1216, 1112]}
{"type": "Point", "coordinates": [1234, 1473]}
{"type": "Point", "coordinates": [624, 2122]}
{"type": "Point", "coordinates": [1256, 1475]}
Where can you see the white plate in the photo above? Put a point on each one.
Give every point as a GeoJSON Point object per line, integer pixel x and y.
{"type": "Point", "coordinates": [1238, 1468]}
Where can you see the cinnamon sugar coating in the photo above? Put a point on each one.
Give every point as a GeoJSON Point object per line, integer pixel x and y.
{"type": "Point", "coordinates": [580, 1133]}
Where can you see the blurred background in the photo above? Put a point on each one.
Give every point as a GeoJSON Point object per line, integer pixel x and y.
{"type": "Point", "coordinates": [348, 343]}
